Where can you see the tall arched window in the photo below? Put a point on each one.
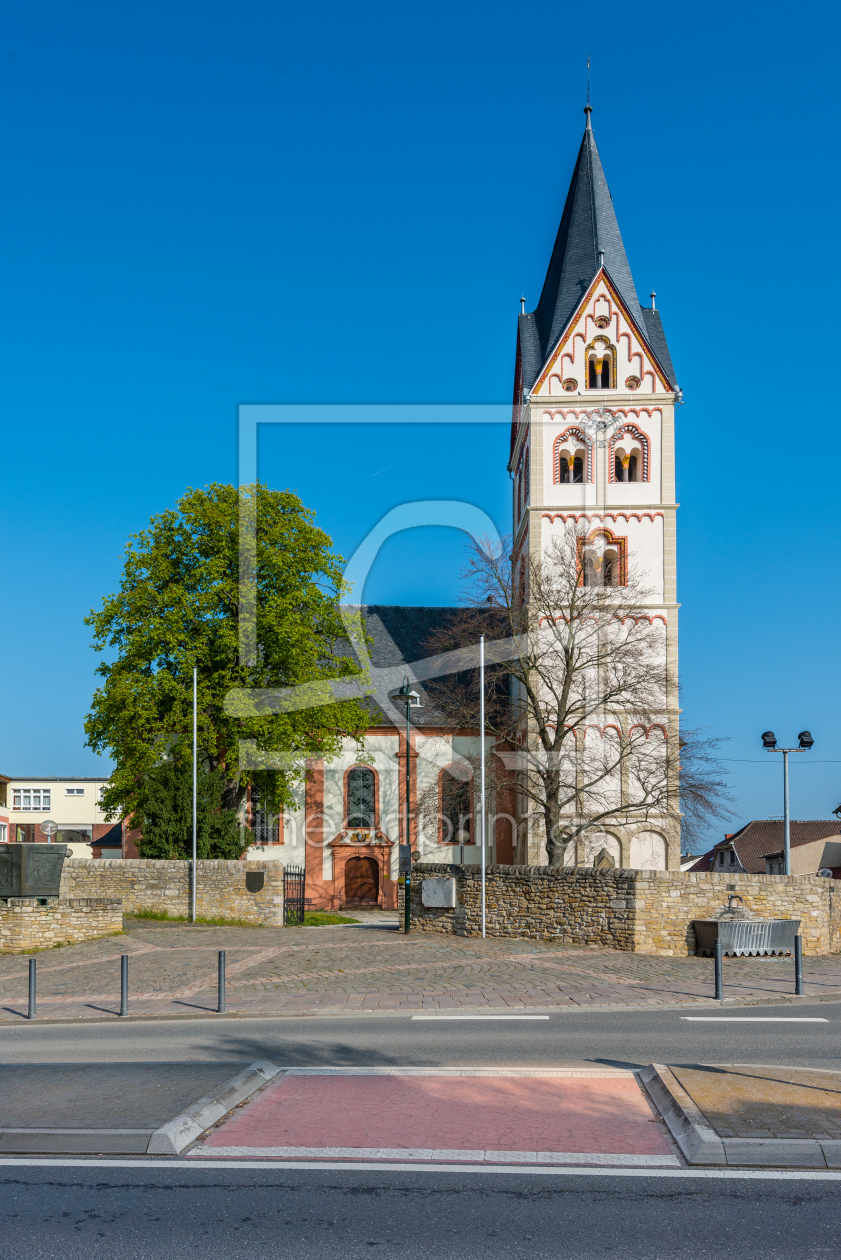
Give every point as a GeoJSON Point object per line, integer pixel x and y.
{"type": "Point", "coordinates": [264, 825]}
{"type": "Point", "coordinates": [361, 798]}
{"type": "Point", "coordinates": [632, 469]}
{"type": "Point", "coordinates": [456, 809]}
{"type": "Point", "coordinates": [602, 559]}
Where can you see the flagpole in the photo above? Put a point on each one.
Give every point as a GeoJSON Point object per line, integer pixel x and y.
{"type": "Point", "coordinates": [195, 759]}
{"type": "Point", "coordinates": [482, 767]}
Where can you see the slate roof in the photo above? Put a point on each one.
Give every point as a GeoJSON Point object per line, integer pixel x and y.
{"type": "Point", "coordinates": [767, 836]}
{"type": "Point", "coordinates": [399, 637]}
{"type": "Point", "coordinates": [588, 225]}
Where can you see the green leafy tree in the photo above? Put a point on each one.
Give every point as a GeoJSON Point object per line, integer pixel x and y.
{"type": "Point", "coordinates": [167, 806]}
{"type": "Point", "coordinates": [179, 605]}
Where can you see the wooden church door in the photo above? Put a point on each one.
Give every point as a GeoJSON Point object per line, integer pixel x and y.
{"type": "Point", "coordinates": [362, 879]}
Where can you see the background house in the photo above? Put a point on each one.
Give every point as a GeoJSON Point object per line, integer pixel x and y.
{"type": "Point", "coordinates": [72, 803]}
{"type": "Point", "coordinates": [758, 848]}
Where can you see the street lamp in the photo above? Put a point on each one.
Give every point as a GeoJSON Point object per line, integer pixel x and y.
{"type": "Point", "coordinates": [769, 743]}
{"type": "Point", "coordinates": [412, 700]}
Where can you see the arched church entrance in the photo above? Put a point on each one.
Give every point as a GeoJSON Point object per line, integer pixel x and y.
{"type": "Point", "coordinates": [362, 881]}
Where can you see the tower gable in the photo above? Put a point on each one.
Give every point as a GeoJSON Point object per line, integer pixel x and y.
{"type": "Point", "coordinates": [603, 329]}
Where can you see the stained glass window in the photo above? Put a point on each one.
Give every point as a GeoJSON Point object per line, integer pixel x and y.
{"type": "Point", "coordinates": [360, 797]}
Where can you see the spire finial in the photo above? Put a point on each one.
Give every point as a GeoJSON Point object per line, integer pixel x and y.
{"type": "Point", "coordinates": [522, 305]}
{"type": "Point", "coordinates": [587, 109]}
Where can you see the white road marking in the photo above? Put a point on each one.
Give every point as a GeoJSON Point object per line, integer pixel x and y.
{"type": "Point", "coordinates": [756, 1019]}
{"type": "Point", "coordinates": [480, 1017]}
{"type": "Point", "coordinates": [703, 1174]}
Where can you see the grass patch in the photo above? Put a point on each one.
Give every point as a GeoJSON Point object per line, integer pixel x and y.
{"type": "Point", "coordinates": [318, 918]}
{"type": "Point", "coordinates": [161, 916]}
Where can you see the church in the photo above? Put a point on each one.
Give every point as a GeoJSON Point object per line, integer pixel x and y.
{"type": "Point", "coordinates": [592, 450]}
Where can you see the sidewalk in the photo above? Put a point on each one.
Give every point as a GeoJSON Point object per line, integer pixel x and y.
{"type": "Point", "coordinates": [372, 968]}
{"type": "Point", "coordinates": [746, 1114]}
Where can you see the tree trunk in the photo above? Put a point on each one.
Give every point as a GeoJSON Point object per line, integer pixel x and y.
{"type": "Point", "coordinates": [555, 847]}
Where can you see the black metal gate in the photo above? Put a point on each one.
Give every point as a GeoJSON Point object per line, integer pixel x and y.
{"type": "Point", "coordinates": [293, 896]}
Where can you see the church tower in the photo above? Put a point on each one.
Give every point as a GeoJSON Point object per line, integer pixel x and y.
{"type": "Point", "coordinates": [592, 449]}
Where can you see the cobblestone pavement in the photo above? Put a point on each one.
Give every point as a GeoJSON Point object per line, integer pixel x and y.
{"type": "Point", "coordinates": [172, 971]}
{"type": "Point", "coordinates": [742, 1101]}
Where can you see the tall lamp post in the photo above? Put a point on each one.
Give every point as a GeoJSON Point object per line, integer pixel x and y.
{"type": "Point", "coordinates": [412, 700]}
{"type": "Point", "coordinates": [769, 743]}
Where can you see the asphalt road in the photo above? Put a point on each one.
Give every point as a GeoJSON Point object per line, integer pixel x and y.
{"type": "Point", "coordinates": [79, 1213]}
{"type": "Point", "coordinates": [85, 1211]}
{"type": "Point", "coordinates": [571, 1038]}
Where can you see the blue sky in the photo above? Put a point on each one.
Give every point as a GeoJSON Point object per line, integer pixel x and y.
{"type": "Point", "coordinates": [210, 205]}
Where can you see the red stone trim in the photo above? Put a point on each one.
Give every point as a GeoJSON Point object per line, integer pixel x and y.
{"type": "Point", "coordinates": [609, 726]}
{"type": "Point", "coordinates": [571, 431]}
{"type": "Point", "coordinates": [655, 726]}
{"type": "Point", "coordinates": [628, 617]}
{"type": "Point", "coordinates": [644, 441]}
{"type": "Point", "coordinates": [600, 516]}
{"type": "Point", "coordinates": [550, 413]}
{"type": "Point", "coordinates": [619, 542]}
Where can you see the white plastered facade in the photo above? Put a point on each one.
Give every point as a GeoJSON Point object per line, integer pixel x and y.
{"type": "Point", "coordinates": [558, 421]}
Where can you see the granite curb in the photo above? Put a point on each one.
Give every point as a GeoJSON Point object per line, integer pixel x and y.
{"type": "Point", "coordinates": [170, 1138]}
{"type": "Point", "coordinates": [313, 1012]}
{"type": "Point", "coordinates": [701, 1145]}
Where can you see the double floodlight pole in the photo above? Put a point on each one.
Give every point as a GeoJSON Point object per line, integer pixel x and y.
{"type": "Point", "coordinates": [769, 743]}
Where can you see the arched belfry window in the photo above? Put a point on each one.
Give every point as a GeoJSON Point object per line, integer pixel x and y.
{"type": "Point", "coordinates": [570, 467]}
{"type": "Point", "coordinates": [600, 364]}
{"type": "Point", "coordinates": [572, 457]}
{"type": "Point", "coordinates": [629, 454]}
{"type": "Point", "coordinates": [360, 806]}
{"type": "Point", "coordinates": [625, 466]}
{"type": "Point", "coordinates": [456, 807]}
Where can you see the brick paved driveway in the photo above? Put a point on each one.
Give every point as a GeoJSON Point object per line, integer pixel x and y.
{"type": "Point", "coordinates": [172, 971]}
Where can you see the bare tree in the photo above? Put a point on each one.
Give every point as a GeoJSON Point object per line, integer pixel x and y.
{"type": "Point", "coordinates": [580, 699]}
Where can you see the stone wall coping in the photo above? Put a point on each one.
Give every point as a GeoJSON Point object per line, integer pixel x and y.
{"type": "Point", "coordinates": [203, 864]}
{"type": "Point", "coordinates": [720, 880]}
{"type": "Point", "coordinates": [60, 903]}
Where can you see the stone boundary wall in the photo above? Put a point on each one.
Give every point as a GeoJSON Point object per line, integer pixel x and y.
{"type": "Point", "coordinates": [28, 923]}
{"type": "Point", "coordinates": [647, 911]}
{"type": "Point", "coordinates": [146, 884]}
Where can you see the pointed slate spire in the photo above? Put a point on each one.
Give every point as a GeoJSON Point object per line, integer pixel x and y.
{"type": "Point", "coordinates": [588, 228]}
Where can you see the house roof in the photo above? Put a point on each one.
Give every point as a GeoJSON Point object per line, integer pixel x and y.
{"type": "Point", "coordinates": [767, 836]}
{"type": "Point", "coordinates": [56, 778]}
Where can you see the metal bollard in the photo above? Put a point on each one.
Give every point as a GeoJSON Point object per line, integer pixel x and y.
{"type": "Point", "coordinates": [32, 965]}
{"type": "Point", "coordinates": [124, 984]}
{"type": "Point", "coordinates": [220, 1005]}
{"type": "Point", "coordinates": [719, 976]}
{"type": "Point", "coordinates": [798, 966]}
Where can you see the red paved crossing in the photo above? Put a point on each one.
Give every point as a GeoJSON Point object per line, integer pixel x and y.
{"type": "Point", "coordinates": [429, 1114]}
